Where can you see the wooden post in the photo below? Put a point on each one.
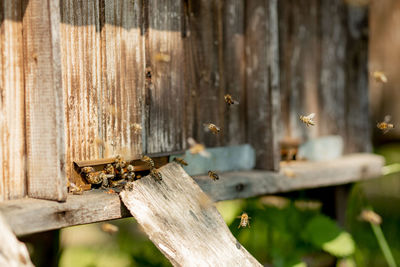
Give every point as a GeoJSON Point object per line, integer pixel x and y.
{"type": "Point", "coordinates": [44, 103]}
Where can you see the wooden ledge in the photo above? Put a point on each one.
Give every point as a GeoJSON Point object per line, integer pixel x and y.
{"type": "Point", "coordinates": [28, 215]}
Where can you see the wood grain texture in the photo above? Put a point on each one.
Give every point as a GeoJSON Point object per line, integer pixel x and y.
{"type": "Point", "coordinates": [13, 253]}
{"type": "Point", "coordinates": [44, 101]}
{"type": "Point", "coordinates": [12, 103]}
{"type": "Point", "coordinates": [186, 231]}
{"type": "Point", "coordinates": [164, 72]}
{"type": "Point", "coordinates": [96, 205]}
{"type": "Point", "coordinates": [262, 81]}
{"type": "Point", "coordinates": [103, 78]}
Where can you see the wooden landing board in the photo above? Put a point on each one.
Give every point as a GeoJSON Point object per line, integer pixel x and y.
{"type": "Point", "coordinates": [182, 222]}
{"type": "Point", "coordinates": [94, 206]}
{"type": "Point", "coordinates": [12, 252]}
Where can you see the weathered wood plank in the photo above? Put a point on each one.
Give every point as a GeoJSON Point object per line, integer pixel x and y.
{"type": "Point", "coordinates": [262, 81]}
{"type": "Point", "coordinates": [164, 76]}
{"type": "Point", "coordinates": [12, 102]}
{"type": "Point", "coordinates": [94, 206]}
{"type": "Point", "coordinates": [12, 252]}
{"type": "Point", "coordinates": [44, 101]}
{"type": "Point", "coordinates": [187, 231]}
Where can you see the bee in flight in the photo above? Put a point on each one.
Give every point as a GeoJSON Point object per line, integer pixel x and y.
{"type": "Point", "coordinates": [213, 175]}
{"type": "Point", "coordinates": [385, 126]}
{"type": "Point", "coordinates": [181, 161]}
{"type": "Point", "coordinates": [229, 100]}
{"type": "Point", "coordinates": [212, 127]}
{"type": "Point", "coordinates": [379, 76]}
{"type": "Point", "coordinates": [109, 228]}
{"type": "Point", "coordinates": [244, 220]}
{"type": "Point", "coordinates": [196, 148]}
{"type": "Point", "coordinates": [308, 120]}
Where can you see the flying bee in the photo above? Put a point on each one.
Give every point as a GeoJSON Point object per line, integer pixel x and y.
{"type": "Point", "coordinates": [213, 175]}
{"type": "Point", "coordinates": [308, 120]}
{"type": "Point", "coordinates": [229, 100]}
{"type": "Point", "coordinates": [212, 127]}
{"type": "Point", "coordinates": [109, 228]}
{"type": "Point", "coordinates": [181, 161]}
{"type": "Point", "coordinates": [156, 174]}
{"type": "Point", "coordinates": [379, 76]}
{"type": "Point", "coordinates": [385, 126]}
{"type": "Point", "coordinates": [196, 148]}
{"type": "Point", "coordinates": [137, 128]}
{"type": "Point", "coordinates": [244, 220]}
{"type": "Point", "coordinates": [148, 160]}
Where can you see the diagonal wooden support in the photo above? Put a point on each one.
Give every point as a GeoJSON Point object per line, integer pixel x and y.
{"type": "Point", "coordinates": [12, 252]}
{"type": "Point", "coordinates": [181, 221]}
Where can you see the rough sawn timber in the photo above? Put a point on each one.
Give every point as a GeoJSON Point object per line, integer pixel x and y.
{"type": "Point", "coordinates": [12, 252]}
{"type": "Point", "coordinates": [177, 218]}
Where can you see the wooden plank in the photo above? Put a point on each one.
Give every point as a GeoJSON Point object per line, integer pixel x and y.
{"type": "Point", "coordinates": [12, 103]}
{"type": "Point", "coordinates": [44, 101]}
{"type": "Point", "coordinates": [164, 71]}
{"type": "Point", "coordinates": [204, 75]}
{"type": "Point", "coordinates": [103, 77]}
{"type": "Point", "coordinates": [185, 229]}
{"type": "Point", "coordinates": [96, 205]}
{"type": "Point", "coordinates": [262, 81]}
{"type": "Point", "coordinates": [12, 252]}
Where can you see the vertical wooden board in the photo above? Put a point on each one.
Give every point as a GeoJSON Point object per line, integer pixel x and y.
{"type": "Point", "coordinates": [262, 81]}
{"type": "Point", "coordinates": [12, 109]}
{"type": "Point", "coordinates": [164, 76]}
{"type": "Point", "coordinates": [299, 51]}
{"type": "Point", "coordinates": [234, 71]}
{"type": "Point", "coordinates": [44, 101]}
{"type": "Point", "coordinates": [123, 77]}
{"type": "Point", "coordinates": [204, 76]}
{"type": "Point", "coordinates": [358, 124]}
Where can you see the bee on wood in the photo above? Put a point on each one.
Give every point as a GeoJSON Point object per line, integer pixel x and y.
{"type": "Point", "coordinates": [244, 220]}
{"type": "Point", "coordinates": [156, 174]}
{"type": "Point", "coordinates": [181, 161]}
{"type": "Point", "coordinates": [196, 148]}
{"type": "Point", "coordinates": [379, 76]}
{"type": "Point", "coordinates": [148, 160]}
{"type": "Point", "coordinates": [213, 175]}
{"type": "Point", "coordinates": [74, 189]}
{"type": "Point", "coordinates": [97, 178]}
{"type": "Point", "coordinates": [109, 169]}
{"type": "Point", "coordinates": [129, 186]}
{"type": "Point", "coordinates": [212, 127]}
{"type": "Point", "coordinates": [385, 126]}
{"type": "Point", "coordinates": [137, 128]}
{"type": "Point", "coordinates": [308, 120]}
{"type": "Point", "coordinates": [109, 228]}
{"type": "Point", "coordinates": [229, 100]}
{"type": "Point", "coordinates": [87, 170]}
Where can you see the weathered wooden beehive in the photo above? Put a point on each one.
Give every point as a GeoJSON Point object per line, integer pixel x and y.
{"type": "Point", "coordinates": [77, 76]}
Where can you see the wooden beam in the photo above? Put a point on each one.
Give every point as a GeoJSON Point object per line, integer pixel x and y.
{"type": "Point", "coordinates": [96, 205]}
{"type": "Point", "coordinates": [182, 222]}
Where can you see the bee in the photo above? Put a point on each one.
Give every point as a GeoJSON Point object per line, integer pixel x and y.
{"type": "Point", "coordinates": [196, 148]}
{"type": "Point", "coordinates": [308, 120]}
{"type": "Point", "coordinates": [244, 220]}
{"type": "Point", "coordinates": [229, 101]}
{"type": "Point", "coordinates": [379, 76]}
{"type": "Point", "coordinates": [385, 126]}
{"type": "Point", "coordinates": [129, 186]}
{"type": "Point", "coordinates": [97, 178]}
{"type": "Point", "coordinates": [74, 189]}
{"type": "Point", "coordinates": [148, 160]}
{"type": "Point", "coordinates": [129, 174]}
{"type": "Point", "coordinates": [181, 161]}
{"type": "Point", "coordinates": [87, 170]}
{"type": "Point", "coordinates": [109, 169]}
{"type": "Point", "coordinates": [119, 163]}
{"type": "Point", "coordinates": [156, 174]}
{"type": "Point", "coordinates": [213, 175]}
{"type": "Point", "coordinates": [109, 228]}
{"type": "Point", "coordinates": [212, 127]}
{"type": "Point", "coordinates": [137, 128]}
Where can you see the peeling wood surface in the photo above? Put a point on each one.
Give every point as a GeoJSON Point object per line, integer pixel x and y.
{"type": "Point", "coordinates": [12, 109]}
{"type": "Point", "coordinates": [187, 231]}
{"type": "Point", "coordinates": [95, 206]}
{"type": "Point", "coordinates": [44, 101]}
{"type": "Point", "coordinates": [262, 83]}
{"type": "Point", "coordinates": [13, 253]}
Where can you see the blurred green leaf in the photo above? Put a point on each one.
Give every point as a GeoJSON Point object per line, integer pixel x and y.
{"type": "Point", "coordinates": [341, 246]}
